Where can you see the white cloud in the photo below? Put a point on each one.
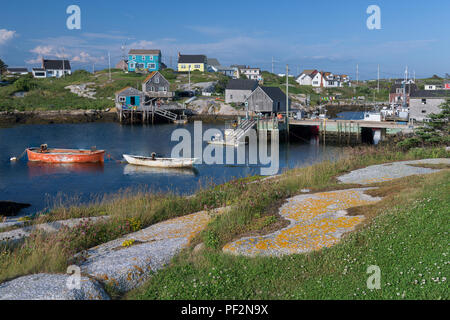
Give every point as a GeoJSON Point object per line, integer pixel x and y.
{"type": "Point", "coordinates": [43, 50]}
{"type": "Point", "coordinates": [6, 35]}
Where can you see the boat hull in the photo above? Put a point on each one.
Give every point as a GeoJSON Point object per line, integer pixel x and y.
{"type": "Point", "coordinates": [66, 156]}
{"type": "Point", "coordinates": [159, 162]}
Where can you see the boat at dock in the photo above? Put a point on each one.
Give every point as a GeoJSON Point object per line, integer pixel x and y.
{"type": "Point", "coordinates": [160, 162]}
{"type": "Point", "coordinates": [53, 155]}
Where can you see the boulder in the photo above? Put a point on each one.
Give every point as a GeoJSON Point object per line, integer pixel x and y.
{"type": "Point", "coordinates": [50, 287]}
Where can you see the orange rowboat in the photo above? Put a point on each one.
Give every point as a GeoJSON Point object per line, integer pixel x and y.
{"type": "Point", "coordinates": [44, 154]}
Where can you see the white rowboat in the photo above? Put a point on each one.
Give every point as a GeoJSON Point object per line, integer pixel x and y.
{"type": "Point", "coordinates": [160, 162]}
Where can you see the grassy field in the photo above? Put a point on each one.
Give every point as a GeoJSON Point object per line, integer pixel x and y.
{"type": "Point", "coordinates": [254, 210]}
{"type": "Point", "coordinates": [50, 94]}
{"type": "Point", "coordinates": [407, 239]}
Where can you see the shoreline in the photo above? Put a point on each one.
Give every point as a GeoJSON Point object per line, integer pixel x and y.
{"type": "Point", "coordinates": [8, 118]}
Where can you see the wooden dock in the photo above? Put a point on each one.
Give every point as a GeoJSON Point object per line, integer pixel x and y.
{"type": "Point", "coordinates": [147, 114]}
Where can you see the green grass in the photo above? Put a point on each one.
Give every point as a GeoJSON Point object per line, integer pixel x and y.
{"type": "Point", "coordinates": [408, 240]}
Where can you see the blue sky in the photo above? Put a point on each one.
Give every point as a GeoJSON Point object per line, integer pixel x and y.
{"type": "Point", "coordinates": [329, 35]}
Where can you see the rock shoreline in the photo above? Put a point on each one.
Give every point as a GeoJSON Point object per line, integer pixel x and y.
{"type": "Point", "coordinates": [56, 116]}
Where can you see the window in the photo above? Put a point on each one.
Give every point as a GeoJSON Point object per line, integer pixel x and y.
{"type": "Point", "coordinates": [424, 101]}
{"type": "Point", "coordinates": [133, 58]}
{"type": "Point", "coordinates": [132, 65]}
{"type": "Point", "coordinates": [157, 80]}
{"type": "Point", "coordinates": [133, 101]}
{"type": "Point", "coordinates": [141, 65]}
{"type": "Point", "coordinates": [143, 58]}
{"type": "Point", "coordinates": [163, 89]}
{"type": "Point", "coordinates": [231, 96]}
{"type": "Point", "coordinates": [424, 111]}
{"type": "Point", "coordinates": [197, 66]}
{"type": "Point", "coordinates": [151, 66]}
{"type": "Point", "coordinates": [122, 99]}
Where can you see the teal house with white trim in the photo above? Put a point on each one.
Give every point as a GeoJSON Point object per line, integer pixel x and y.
{"type": "Point", "coordinates": [143, 60]}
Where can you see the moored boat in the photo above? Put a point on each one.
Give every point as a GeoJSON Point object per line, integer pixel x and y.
{"type": "Point", "coordinates": [160, 162]}
{"type": "Point", "coordinates": [53, 155]}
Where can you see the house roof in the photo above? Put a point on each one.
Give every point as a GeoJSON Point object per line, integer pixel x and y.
{"type": "Point", "coordinates": [213, 62]}
{"type": "Point", "coordinates": [145, 51]}
{"type": "Point", "coordinates": [56, 64]}
{"type": "Point", "coordinates": [242, 84]}
{"type": "Point", "coordinates": [129, 91]}
{"type": "Point", "coordinates": [151, 74]}
{"type": "Point", "coordinates": [192, 58]}
{"type": "Point", "coordinates": [431, 94]}
{"type": "Point", "coordinates": [410, 87]}
{"type": "Point", "coordinates": [310, 72]}
{"type": "Point", "coordinates": [38, 69]}
{"type": "Point", "coordinates": [17, 69]}
{"type": "Point", "coordinates": [275, 93]}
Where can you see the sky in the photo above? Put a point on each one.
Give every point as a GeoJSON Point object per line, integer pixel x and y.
{"type": "Point", "coordinates": [329, 35]}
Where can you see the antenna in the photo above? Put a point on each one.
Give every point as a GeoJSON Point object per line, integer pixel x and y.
{"type": "Point", "coordinates": [273, 62]}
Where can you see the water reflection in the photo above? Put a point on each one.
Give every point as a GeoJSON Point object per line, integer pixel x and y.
{"type": "Point", "coordinates": [142, 170]}
{"type": "Point", "coordinates": [37, 169]}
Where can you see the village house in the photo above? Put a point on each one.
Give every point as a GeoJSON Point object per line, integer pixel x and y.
{"type": "Point", "coordinates": [250, 73]}
{"type": "Point", "coordinates": [306, 77]}
{"type": "Point", "coordinates": [56, 68]}
{"type": "Point", "coordinates": [122, 65]}
{"type": "Point", "coordinates": [426, 102]}
{"type": "Point", "coordinates": [129, 98]}
{"type": "Point", "coordinates": [238, 90]}
{"type": "Point", "coordinates": [16, 71]}
{"type": "Point", "coordinates": [156, 86]}
{"type": "Point", "coordinates": [267, 100]}
{"type": "Point", "coordinates": [213, 65]}
{"type": "Point", "coordinates": [39, 73]}
{"type": "Point", "coordinates": [321, 79]}
{"type": "Point", "coordinates": [188, 63]}
{"type": "Point", "coordinates": [143, 60]}
{"type": "Point", "coordinates": [397, 92]}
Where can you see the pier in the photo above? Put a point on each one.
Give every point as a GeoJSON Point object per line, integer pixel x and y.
{"type": "Point", "coordinates": [149, 113]}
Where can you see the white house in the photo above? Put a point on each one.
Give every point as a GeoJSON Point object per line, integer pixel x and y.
{"type": "Point", "coordinates": [56, 68]}
{"type": "Point", "coordinates": [321, 79]}
{"type": "Point", "coordinates": [251, 73]}
{"type": "Point", "coordinates": [16, 71]}
{"type": "Point", "coordinates": [306, 77]}
{"type": "Point", "coordinates": [39, 73]}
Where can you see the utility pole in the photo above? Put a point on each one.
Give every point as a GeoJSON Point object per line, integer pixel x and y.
{"type": "Point", "coordinates": [272, 64]}
{"type": "Point", "coordinates": [378, 87]}
{"type": "Point", "coordinates": [109, 65]}
{"type": "Point", "coordinates": [189, 77]}
{"type": "Point", "coordinates": [357, 74]}
{"type": "Point", "coordinates": [287, 101]}
{"type": "Point", "coordinates": [93, 68]}
{"type": "Point", "coordinates": [64, 69]}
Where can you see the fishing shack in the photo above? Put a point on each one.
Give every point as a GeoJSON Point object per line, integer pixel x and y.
{"type": "Point", "coordinates": [129, 98]}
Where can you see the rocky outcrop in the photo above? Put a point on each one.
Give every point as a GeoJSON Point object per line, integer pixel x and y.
{"type": "Point", "coordinates": [51, 287]}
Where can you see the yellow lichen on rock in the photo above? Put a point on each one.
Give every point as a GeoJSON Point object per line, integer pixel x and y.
{"type": "Point", "coordinates": [317, 221]}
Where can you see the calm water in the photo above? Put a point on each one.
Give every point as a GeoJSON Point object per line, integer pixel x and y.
{"type": "Point", "coordinates": [42, 184]}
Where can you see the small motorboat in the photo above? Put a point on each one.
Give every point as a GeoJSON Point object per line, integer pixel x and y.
{"type": "Point", "coordinates": [50, 155]}
{"type": "Point", "coordinates": [155, 162]}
